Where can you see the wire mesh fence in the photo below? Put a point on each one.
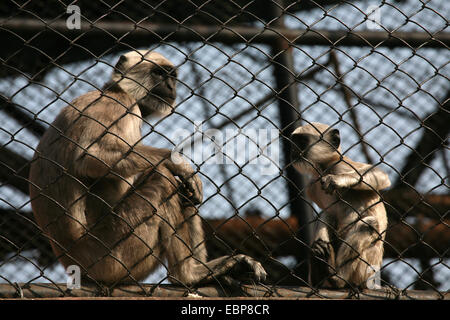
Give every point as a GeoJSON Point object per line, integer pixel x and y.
{"type": "Point", "coordinates": [108, 200]}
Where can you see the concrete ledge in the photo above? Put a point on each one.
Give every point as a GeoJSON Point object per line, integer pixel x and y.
{"type": "Point", "coordinates": [151, 291]}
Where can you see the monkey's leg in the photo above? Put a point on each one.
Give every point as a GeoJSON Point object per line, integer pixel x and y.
{"type": "Point", "coordinates": [125, 243]}
{"type": "Point", "coordinates": [197, 234]}
{"type": "Point", "coordinates": [191, 271]}
{"type": "Point", "coordinates": [186, 254]}
{"type": "Point", "coordinates": [322, 263]}
{"type": "Point", "coordinates": [360, 255]}
{"type": "Point", "coordinates": [175, 230]}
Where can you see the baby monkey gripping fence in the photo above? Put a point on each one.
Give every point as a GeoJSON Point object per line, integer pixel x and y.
{"type": "Point", "coordinates": [225, 148]}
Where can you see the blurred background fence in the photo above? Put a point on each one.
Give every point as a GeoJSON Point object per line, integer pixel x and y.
{"type": "Point", "coordinates": [377, 70]}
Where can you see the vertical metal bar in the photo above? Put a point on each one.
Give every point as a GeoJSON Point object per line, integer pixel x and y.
{"type": "Point", "coordinates": [288, 103]}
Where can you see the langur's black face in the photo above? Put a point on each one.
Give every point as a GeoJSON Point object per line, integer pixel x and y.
{"type": "Point", "coordinates": [162, 92]}
{"type": "Point", "coordinates": [149, 78]}
{"type": "Point", "coordinates": [310, 147]}
{"type": "Point", "coordinates": [300, 143]}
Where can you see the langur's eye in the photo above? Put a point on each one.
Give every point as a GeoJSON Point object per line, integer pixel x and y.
{"type": "Point", "coordinates": [173, 73]}
{"type": "Point", "coordinates": [159, 72]}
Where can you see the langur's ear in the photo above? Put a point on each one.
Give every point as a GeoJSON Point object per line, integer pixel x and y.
{"type": "Point", "coordinates": [335, 138]}
{"type": "Point", "coordinates": [120, 65]}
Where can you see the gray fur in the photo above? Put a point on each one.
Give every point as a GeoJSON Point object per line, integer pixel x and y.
{"type": "Point", "coordinates": [112, 205]}
{"type": "Point", "coordinates": [348, 242]}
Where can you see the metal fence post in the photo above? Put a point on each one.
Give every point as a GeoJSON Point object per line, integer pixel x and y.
{"type": "Point", "coordinates": [283, 64]}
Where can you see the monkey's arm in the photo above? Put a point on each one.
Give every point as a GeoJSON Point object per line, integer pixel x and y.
{"type": "Point", "coordinates": [357, 176]}
{"type": "Point", "coordinates": [116, 157]}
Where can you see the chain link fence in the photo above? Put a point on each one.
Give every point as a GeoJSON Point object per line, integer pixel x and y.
{"type": "Point", "coordinates": [248, 73]}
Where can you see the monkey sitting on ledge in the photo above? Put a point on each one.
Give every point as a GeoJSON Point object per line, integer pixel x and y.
{"type": "Point", "coordinates": [112, 205]}
{"type": "Point", "coordinates": [348, 242]}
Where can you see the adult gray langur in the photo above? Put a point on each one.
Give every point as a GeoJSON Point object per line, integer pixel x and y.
{"type": "Point", "coordinates": [112, 205]}
{"type": "Point", "coordinates": [348, 242]}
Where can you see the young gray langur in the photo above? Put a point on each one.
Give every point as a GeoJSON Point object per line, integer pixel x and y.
{"type": "Point", "coordinates": [112, 205]}
{"type": "Point", "coordinates": [348, 242]}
